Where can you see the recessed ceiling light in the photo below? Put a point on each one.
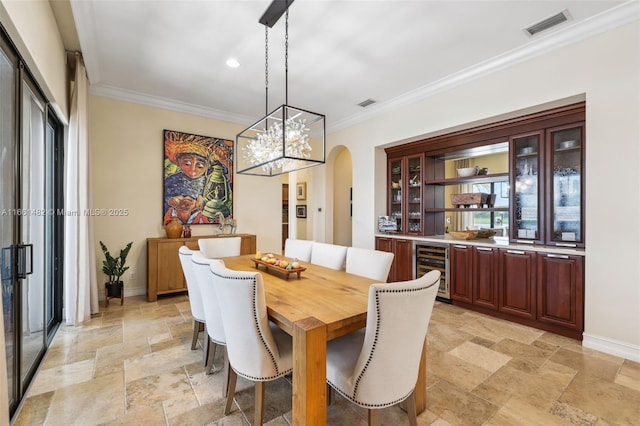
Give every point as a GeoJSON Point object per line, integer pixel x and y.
{"type": "Point", "coordinates": [233, 63]}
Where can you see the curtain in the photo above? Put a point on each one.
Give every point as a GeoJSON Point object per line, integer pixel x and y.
{"type": "Point", "coordinates": [80, 282]}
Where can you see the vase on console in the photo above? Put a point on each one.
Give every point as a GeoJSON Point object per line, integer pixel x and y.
{"type": "Point", "coordinates": [173, 228]}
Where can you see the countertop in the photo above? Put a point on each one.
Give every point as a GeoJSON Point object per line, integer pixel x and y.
{"type": "Point", "coordinates": [499, 242]}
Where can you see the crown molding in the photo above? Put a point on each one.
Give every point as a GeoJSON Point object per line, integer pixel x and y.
{"type": "Point", "coordinates": [119, 94]}
{"type": "Point", "coordinates": [625, 13]}
{"type": "Point", "coordinates": [613, 18]}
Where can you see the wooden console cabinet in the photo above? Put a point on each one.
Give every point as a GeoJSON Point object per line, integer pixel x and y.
{"type": "Point", "coordinates": [402, 250]}
{"type": "Point", "coordinates": [164, 272]}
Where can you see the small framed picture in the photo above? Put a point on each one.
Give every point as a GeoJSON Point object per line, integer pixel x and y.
{"type": "Point", "coordinates": [301, 211]}
{"type": "Point", "coordinates": [301, 191]}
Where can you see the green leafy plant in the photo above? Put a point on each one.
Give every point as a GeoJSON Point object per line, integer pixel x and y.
{"type": "Point", "coordinates": [112, 266]}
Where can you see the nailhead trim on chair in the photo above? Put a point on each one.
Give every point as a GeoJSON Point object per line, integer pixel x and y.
{"type": "Point", "coordinates": [257, 325]}
{"type": "Point", "coordinates": [375, 341]}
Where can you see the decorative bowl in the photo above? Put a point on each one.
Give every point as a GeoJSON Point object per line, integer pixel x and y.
{"type": "Point", "coordinates": [463, 235]}
{"type": "Point", "coordinates": [568, 144]}
{"type": "Point", "coordinates": [467, 171]}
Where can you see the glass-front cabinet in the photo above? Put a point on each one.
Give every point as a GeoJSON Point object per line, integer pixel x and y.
{"type": "Point", "coordinates": [414, 194]}
{"type": "Point", "coordinates": [565, 188]}
{"type": "Point", "coordinates": [394, 199]}
{"type": "Point", "coordinates": [405, 193]}
{"type": "Point", "coordinates": [526, 185]}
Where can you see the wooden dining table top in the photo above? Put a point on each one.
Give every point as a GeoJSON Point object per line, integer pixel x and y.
{"type": "Point", "coordinates": [336, 298]}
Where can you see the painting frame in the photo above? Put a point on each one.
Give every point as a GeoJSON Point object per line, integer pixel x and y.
{"type": "Point", "coordinates": [301, 191]}
{"type": "Point", "coordinates": [197, 180]}
{"type": "Point", "coordinates": [301, 211]}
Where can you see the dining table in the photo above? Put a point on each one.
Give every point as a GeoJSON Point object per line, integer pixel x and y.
{"type": "Point", "coordinates": [317, 305]}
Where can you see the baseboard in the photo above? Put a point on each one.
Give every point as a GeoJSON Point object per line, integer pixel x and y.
{"type": "Point", "coordinates": [613, 347]}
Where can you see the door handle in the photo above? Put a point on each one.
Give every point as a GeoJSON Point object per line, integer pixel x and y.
{"type": "Point", "coordinates": [24, 260]}
{"type": "Point", "coordinates": [484, 249]}
{"type": "Point", "coordinates": [515, 252]}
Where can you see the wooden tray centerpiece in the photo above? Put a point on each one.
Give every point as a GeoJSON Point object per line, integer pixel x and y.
{"type": "Point", "coordinates": [272, 263]}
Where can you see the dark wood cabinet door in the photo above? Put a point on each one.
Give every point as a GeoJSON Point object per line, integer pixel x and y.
{"type": "Point", "coordinates": [461, 272]}
{"type": "Point", "coordinates": [560, 290]}
{"type": "Point", "coordinates": [485, 282]}
{"type": "Point", "coordinates": [402, 266]}
{"type": "Point", "coordinates": [403, 260]}
{"type": "Point", "coordinates": [517, 284]}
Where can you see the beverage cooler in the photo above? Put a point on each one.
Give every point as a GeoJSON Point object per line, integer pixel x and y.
{"type": "Point", "coordinates": [431, 257]}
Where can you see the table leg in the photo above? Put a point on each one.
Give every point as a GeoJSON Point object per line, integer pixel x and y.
{"type": "Point", "coordinates": [309, 372]}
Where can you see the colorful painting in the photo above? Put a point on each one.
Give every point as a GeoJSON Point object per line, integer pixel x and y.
{"type": "Point", "coordinates": [198, 178]}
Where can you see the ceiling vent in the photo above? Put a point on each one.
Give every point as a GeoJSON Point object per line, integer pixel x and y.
{"type": "Point", "coordinates": [547, 23]}
{"type": "Point", "coordinates": [367, 103]}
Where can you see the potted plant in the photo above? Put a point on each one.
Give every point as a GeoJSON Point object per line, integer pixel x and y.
{"type": "Point", "coordinates": [114, 268]}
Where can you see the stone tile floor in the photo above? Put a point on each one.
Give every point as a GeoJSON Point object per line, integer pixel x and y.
{"type": "Point", "coordinates": [132, 365]}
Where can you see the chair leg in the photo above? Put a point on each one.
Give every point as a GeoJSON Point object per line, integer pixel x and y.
{"type": "Point", "coordinates": [258, 404]}
{"type": "Point", "coordinates": [227, 373]}
{"type": "Point", "coordinates": [211, 353]}
{"type": "Point", "coordinates": [329, 395]}
{"type": "Point", "coordinates": [411, 409]}
{"type": "Point", "coordinates": [233, 378]}
{"type": "Point", "coordinates": [196, 330]}
{"type": "Point", "coordinates": [373, 417]}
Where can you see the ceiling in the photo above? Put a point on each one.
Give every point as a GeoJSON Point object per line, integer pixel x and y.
{"type": "Point", "coordinates": [172, 54]}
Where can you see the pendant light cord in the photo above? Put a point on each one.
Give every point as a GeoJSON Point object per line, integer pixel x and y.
{"type": "Point", "coordinates": [286, 57]}
{"type": "Point", "coordinates": [266, 70]}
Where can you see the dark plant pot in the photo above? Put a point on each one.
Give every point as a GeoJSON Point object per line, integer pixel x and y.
{"type": "Point", "coordinates": [114, 289]}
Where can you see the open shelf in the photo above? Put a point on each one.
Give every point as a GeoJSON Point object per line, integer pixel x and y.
{"type": "Point", "coordinates": [469, 210]}
{"type": "Point", "coordinates": [496, 177]}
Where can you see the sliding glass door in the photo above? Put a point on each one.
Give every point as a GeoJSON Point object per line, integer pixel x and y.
{"type": "Point", "coordinates": [30, 228]}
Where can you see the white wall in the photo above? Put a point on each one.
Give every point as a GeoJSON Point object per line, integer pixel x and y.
{"type": "Point", "coordinates": [342, 178]}
{"type": "Point", "coordinates": [604, 70]}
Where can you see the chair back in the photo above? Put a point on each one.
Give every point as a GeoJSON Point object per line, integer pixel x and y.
{"type": "Point", "coordinates": [211, 307]}
{"type": "Point", "coordinates": [214, 248]}
{"type": "Point", "coordinates": [329, 255]}
{"type": "Point", "coordinates": [398, 316]}
{"type": "Point", "coordinates": [374, 264]}
{"type": "Point", "coordinates": [251, 347]}
{"type": "Point", "coordinates": [298, 249]}
{"type": "Point", "coordinates": [195, 297]}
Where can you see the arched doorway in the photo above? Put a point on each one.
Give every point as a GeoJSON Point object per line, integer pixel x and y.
{"type": "Point", "coordinates": [342, 196]}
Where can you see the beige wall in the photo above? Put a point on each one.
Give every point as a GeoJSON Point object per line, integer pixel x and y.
{"type": "Point", "coordinates": [126, 142]}
{"type": "Point", "coordinates": [603, 70]}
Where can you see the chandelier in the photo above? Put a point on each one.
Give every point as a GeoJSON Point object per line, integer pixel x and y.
{"type": "Point", "coordinates": [288, 138]}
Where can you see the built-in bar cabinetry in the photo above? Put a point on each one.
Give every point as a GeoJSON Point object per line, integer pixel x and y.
{"type": "Point", "coordinates": [532, 166]}
{"type": "Point", "coordinates": [164, 271]}
{"type": "Point", "coordinates": [539, 289]}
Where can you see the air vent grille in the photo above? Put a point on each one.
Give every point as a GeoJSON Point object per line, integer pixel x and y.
{"type": "Point", "coordinates": [367, 103]}
{"type": "Point", "coordinates": [547, 23]}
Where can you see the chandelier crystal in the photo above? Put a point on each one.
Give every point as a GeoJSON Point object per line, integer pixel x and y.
{"type": "Point", "coordinates": [287, 139]}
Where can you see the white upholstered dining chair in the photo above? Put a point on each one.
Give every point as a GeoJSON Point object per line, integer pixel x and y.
{"type": "Point", "coordinates": [257, 349]}
{"type": "Point", "coordinates": [378, 367]}
{"type": "Point", "coordinates": [374, 264]}
{"type": "Point", "coordinates": [211, 307]}
{"type": "Point", "coordinates": [195, 298]}
{"type": "Point", "coordinates": [214, 248]}
{"type": "Point", "coordinates": [298, 249]}
{"type": "Point", "coordinates": [329, 255]}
